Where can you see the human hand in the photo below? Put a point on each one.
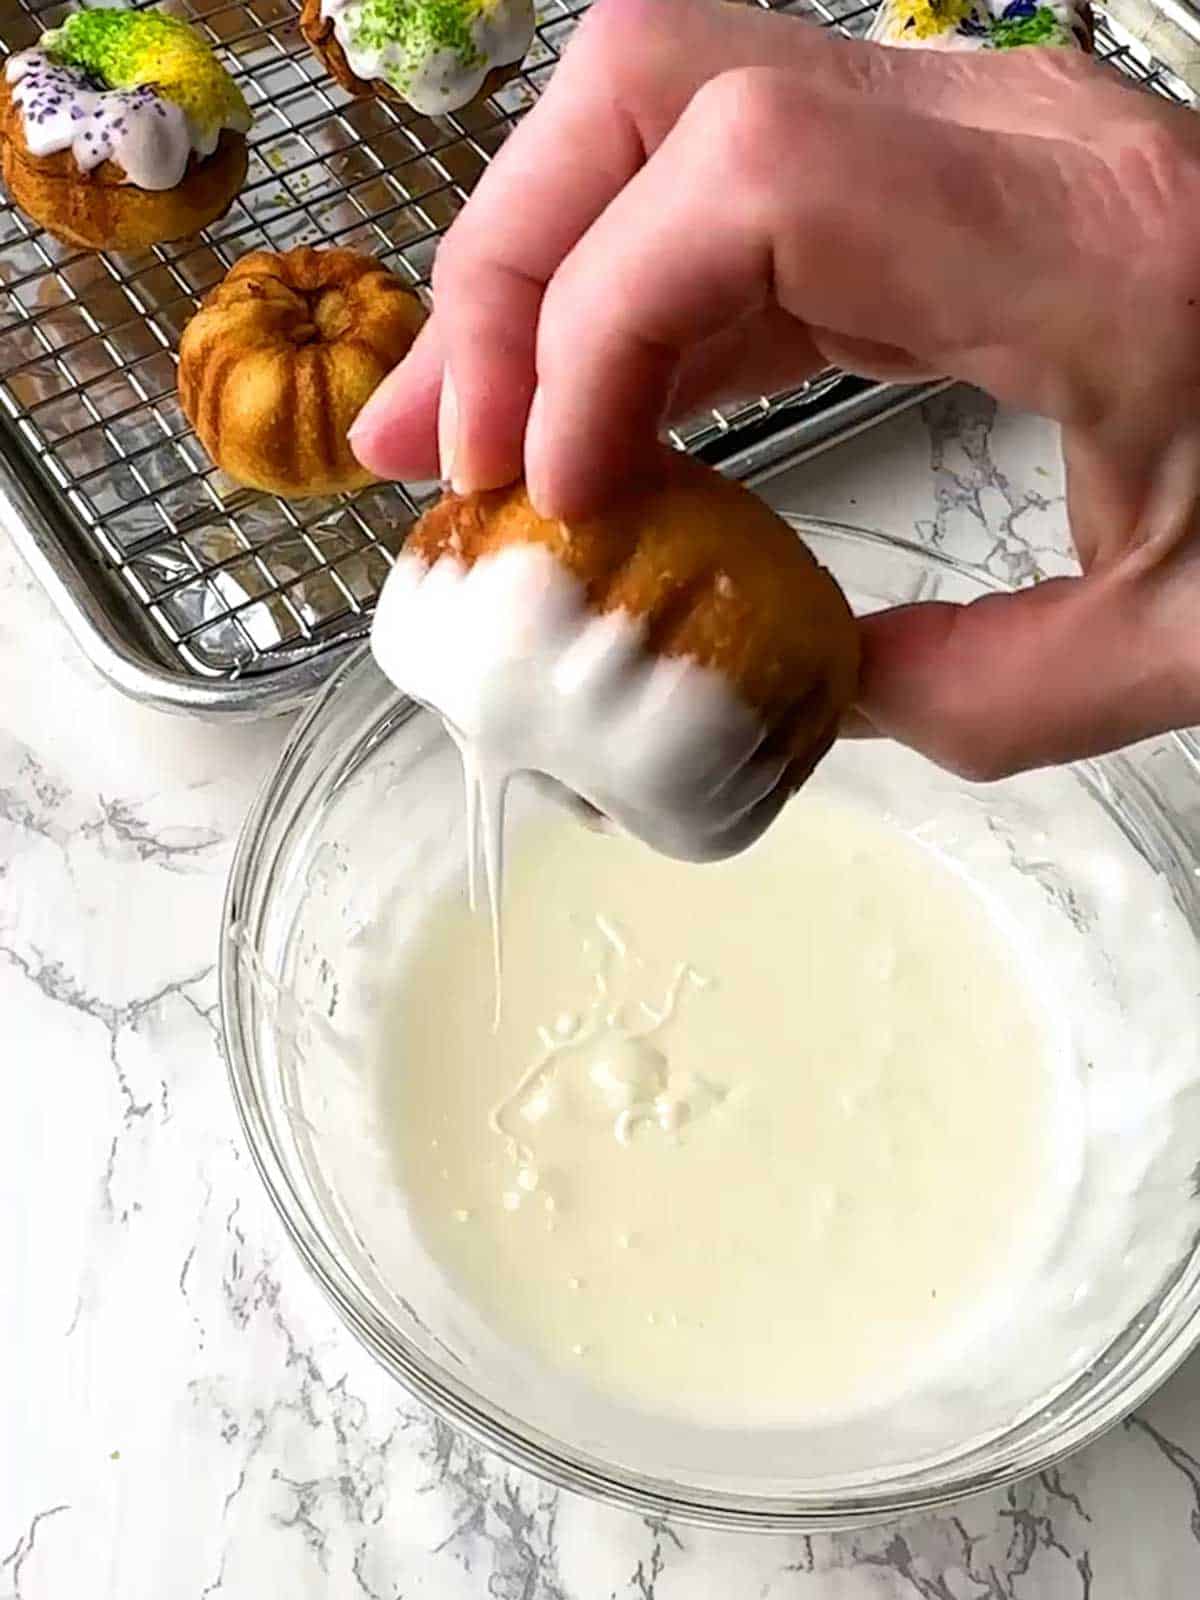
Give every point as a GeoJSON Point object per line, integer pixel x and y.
{"type": "Point", "coordinates": [711, 201]}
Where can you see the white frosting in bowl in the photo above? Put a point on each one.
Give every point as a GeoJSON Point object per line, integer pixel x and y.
{"type": "Point", "coordinates": [386, 989]}
{"type": "Point", "coordinates": [353, 869]}
{"type": "Point", "coordinates": [775, 1142]}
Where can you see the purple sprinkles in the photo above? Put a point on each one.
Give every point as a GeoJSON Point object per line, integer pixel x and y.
{"type": "Point", "coordinates": [65, 108]}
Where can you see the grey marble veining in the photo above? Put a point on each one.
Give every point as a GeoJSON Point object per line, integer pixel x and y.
{"type": "Point", "coordinates": [180, 1412]}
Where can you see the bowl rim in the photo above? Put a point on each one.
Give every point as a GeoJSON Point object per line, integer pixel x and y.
{"type": "Point", "coordinates": [452, 1399]}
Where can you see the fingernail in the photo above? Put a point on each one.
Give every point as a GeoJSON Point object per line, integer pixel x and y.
{"type": "Point", "coordinates": [447, 430]}
{"type": "Point", "coordinates": [536, 485]}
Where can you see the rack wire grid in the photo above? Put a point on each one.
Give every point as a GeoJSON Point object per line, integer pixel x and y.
{"type": "Point", "coordinates": [190, 591]}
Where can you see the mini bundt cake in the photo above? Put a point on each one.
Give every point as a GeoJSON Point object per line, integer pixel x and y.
{"type": "Point", "coordinates": [434, 55]}
{"type": "Point", "coordinates": [280, 359]}
{"type": "Point", "coordinates": [121, 129]}
{"type": "Point", "coordinates": [983, 24]}
{"type": "Point", "coordinates": [681, 663]}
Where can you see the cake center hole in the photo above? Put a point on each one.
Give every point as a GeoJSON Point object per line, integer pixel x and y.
{"type": "Point", "coordinates": [331, 314]}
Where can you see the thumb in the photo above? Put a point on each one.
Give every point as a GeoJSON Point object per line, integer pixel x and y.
{"type": "Point", "coordinates": [1071, 668]}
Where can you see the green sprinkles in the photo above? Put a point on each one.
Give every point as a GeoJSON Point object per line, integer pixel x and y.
{"type": "Point", "coordinates": [417, 28]}
{"type": "Point", "coordinates": [110, 44]}
{"type": "Point", "coordinates": [1043, 27]}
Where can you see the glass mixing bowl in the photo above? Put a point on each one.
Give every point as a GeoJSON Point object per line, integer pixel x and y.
{"type": "Point", "coordinates": [348, 843]}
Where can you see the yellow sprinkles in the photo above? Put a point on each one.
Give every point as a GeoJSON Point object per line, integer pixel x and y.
{"type": "Point", "coordinates": [136, 49]}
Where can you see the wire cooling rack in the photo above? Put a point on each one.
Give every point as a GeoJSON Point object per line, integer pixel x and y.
{"type": "Point", "coordinates": [188, 591]}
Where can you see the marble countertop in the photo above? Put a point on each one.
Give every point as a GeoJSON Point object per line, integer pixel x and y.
{"type": "Point", "coordinates": [180, 1413]}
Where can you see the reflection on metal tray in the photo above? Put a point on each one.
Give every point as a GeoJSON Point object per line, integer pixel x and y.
{"type": "Point", "coordinates": [187, 591]}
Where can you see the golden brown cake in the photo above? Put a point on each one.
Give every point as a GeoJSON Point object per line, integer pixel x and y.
{"type": "Point", "coordinates": [282, 356]}
{"type": "Point", "coordinates": [121, 130]}
{"type": "Point", "coordinates": [709, 572]}
{"type": "Point", "coordinates": [99, 210]}
{"type": "Point", "coordinates": [434, 55]}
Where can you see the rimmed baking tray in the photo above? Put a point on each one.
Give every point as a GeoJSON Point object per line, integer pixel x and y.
{"type": "Point", "coordinates": [187, 591]}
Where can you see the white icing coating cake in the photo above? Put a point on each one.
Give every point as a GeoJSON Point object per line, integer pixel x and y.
{"type": "Point", "coordinates": [527, 678]}
{"type": "Point", "coordinates": [982, 24]}
{"type": "Point", "coordinates": [138, 88]}
{"type": "Point", "coordinates": [435, 53]}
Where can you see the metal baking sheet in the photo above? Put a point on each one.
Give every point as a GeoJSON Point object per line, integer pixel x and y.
{"type": "Point", "coordinates": [187, 591]}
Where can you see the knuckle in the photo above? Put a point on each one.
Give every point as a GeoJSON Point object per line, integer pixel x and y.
{"type": "Point", "coordinates": [621, 36]}
{"type": "Point", "coordinates": [447, 265]}
{"type": "Point", "coordinates": [557, 319]}
{"type": "Point", "coordinates": [455, 264]}
{"type": "Point", "coordinates": [750, 111]}
{"type": "Point", "coordinates": [574, 300]}
{"type": "Point", "coordinates": [608, 22]}
{"type": "Point", "coordinates": [1053, 73]}
{"type": "Point", "coordinates": [1160, 172]}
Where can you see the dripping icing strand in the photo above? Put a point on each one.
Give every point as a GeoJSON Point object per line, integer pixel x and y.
{"type": "Point", "coordinates": [527, 678]}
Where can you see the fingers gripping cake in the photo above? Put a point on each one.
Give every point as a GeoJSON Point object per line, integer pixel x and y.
{"type": "Point", "coordinates": [680, 663]}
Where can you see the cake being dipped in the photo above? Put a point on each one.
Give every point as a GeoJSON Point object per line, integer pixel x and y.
{"type": "Point", "coordinates": [681, 663]}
